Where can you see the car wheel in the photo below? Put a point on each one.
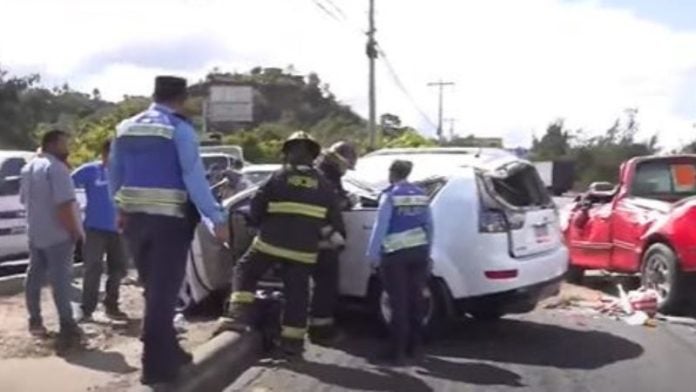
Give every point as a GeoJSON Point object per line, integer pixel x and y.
{"type": "Point", "coordinates": [434, 296]}
{"type": "Point", "coordinates": [575, 274]}
{"type": "Point", "coordinates": [661, 272]}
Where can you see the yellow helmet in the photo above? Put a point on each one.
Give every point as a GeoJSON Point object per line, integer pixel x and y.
{"type": "Point", "coordinates": [302, 137]}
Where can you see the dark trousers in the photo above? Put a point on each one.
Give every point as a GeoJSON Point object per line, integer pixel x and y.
{"type": "Point", "coordinates": [159, 246]}
{"type": "Point", "coordinates": [325, 277]}
{"type": "Point", "coordinates": [99, 243]}
{"type": "Point", "coordinates": [249, 270]}
{"type": "Point", "coordinates": [404, 275]}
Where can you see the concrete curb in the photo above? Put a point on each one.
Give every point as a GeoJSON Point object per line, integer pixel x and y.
{"type": "Point", "coordinates": [216, 363]}
{"type": "Point", "coordinates": [219, 362]}
{"type": "Point", "coordinates": [14, 284]}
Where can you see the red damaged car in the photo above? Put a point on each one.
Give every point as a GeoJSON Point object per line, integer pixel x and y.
{"type": "Point", "coordinates": [646, 224]}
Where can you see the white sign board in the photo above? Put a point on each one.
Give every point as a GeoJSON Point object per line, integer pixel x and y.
{"type": "Point", "coordinates": [231, 104]}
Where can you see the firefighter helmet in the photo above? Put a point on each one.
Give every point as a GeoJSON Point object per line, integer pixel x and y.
{"type": "Point", "coordinates": [346, 152]}
{"type": "Point", "coordinates": [302, 137]}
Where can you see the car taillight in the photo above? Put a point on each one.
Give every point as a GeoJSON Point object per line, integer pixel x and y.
{"type": "Point", "coordinates": [492, 222]}
{"type": "Point", "coordinates": [501, 274]}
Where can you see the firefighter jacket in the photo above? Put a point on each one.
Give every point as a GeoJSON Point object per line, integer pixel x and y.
{"type": "Point", "coordinates": [290, 209]}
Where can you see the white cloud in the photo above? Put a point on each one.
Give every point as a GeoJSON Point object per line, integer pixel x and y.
{"type": "Point", "coordinates": [518, 64]}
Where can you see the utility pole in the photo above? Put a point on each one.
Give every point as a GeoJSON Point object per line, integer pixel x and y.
{"type": "Point", "coordinates": [441, 85]}
{"type": "Point", "coordinates": [372, 55]}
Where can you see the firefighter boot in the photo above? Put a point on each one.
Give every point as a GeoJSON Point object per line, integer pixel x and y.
{"type": "Point", "coordinates": [236, 318]}
{"type": "Point", "coordinates": [292, 348]}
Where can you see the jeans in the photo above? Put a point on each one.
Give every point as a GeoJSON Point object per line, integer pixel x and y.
{"type": "Point", "coordinates": [57, 262]}
{"type": "Point", "coordinates": [97, 244]}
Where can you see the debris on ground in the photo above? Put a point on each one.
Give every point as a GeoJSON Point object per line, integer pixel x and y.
{"type": "Point", "coordinates": [635, 307]}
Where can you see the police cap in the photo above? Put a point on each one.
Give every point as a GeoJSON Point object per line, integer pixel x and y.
{"type": "Point", "coordinates": [169, 88]}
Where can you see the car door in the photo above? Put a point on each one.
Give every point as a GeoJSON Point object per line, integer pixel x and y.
{"type": "Point", "coordinates": [355, 268]}
{"type": "Point", "coordinates": [589, 238]}
{"type": "Point", "coordinates": [635, 212]}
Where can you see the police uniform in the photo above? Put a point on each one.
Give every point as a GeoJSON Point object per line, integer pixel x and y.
{"type": "Point", "coordinates": [160, 187]}
{"type": "Point", "coordinates": [401, 239]}
{"type": "Point", "coordinates": [326, 273]}
{"type": "Point", "coordinates": [289, 209]}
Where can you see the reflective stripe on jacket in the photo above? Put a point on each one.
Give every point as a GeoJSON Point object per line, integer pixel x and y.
{"type": "Point", "coordinates": [152, 177]}
{"type": "Point", "coordinates": [407, 226]}
{"type": "Point", "coordinates": [290, 209]}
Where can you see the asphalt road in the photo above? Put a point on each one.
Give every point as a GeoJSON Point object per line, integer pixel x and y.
{"type": "Point", "coordinates": [549, 350]}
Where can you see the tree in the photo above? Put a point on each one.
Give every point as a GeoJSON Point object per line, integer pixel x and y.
{"type": "Point", "coordinates": [554, 144]}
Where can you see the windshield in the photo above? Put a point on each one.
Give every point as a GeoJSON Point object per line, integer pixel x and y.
{"type": "Point", "coordinates": [665, 180]}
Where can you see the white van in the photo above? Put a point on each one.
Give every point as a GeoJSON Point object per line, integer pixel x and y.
{"type": "Point", "coordinates": [13, 223]}
{"type": "Point", "coordinates": [498, 246]}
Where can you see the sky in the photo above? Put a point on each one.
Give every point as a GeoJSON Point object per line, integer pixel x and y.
{"type": "Point", "coordinates": [517, 65]}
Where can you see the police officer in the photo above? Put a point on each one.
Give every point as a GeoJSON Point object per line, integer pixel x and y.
{"type": "Point", "coordinates": [159, 184]}
{"type": "Point", "coordinates": [400, 246]}
{"type": "Point", "coordinates": [333, 164]}
{"type": "Point", "coordinates": [289, 210]}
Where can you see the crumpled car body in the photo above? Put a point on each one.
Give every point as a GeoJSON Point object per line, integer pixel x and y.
{"type": "Point", "coordinates": [498, 246]}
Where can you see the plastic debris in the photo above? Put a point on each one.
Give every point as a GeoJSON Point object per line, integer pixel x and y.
{"type": "Point", "coordinates": [637, 318]}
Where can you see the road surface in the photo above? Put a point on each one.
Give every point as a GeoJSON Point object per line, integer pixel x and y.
{"type": "Point", "coordinates": [548, 350]}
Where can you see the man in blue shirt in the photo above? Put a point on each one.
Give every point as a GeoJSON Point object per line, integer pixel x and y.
{"type": "Point", "coordinates": [400, 247]}
{"type": "Point", "coordinates": [157, 178]}
{"type": "Point", "coordinates": [101, 238]}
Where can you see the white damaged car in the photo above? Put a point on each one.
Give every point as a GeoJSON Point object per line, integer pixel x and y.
{"type": "Point", "coordinates": [498, 246]}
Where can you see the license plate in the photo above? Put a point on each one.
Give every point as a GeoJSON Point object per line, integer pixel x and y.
{"type": "Point", "coordinates": [541, 232]}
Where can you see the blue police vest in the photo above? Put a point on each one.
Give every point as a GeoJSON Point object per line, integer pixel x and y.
{"type": "Point", "coordinates": [408, 219]}
{"type": "Point", "coordinates": [152, 178]}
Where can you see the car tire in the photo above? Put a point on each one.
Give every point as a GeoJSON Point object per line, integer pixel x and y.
{"type": "Point", "coordinates": [436, 317]}
{"type": "Point", "coordinates": [660, 271]}
{"type": "Point", "coordinates": [575, 275]}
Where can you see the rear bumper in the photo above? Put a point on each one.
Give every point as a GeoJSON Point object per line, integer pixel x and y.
{"type": "Point", "coordinates": [520, 300]}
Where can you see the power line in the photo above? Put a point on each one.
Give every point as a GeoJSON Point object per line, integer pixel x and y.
{"type": "Point", "coordinates": [397, 81]}
{"type": "Point", "coordinates": [338, 9]}
{"type": "Point", "coordinates": [326, 11]}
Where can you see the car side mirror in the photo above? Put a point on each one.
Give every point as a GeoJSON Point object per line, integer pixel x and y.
{"type": "Point", "coordinates": [601, 187]}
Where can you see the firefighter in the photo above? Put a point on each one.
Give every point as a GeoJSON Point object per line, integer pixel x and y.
{"type": "Point", "coordinates": [400, 247]}
{"type": "Point", "coordinates": [158, 180]}
{"type": "Point", "coordinates": [289, 211]}
{"type": "Point", "coordinates": [333, 164]}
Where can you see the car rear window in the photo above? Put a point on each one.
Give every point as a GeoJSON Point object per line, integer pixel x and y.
{"type": "Point", "coordinates": [665, 179]}
{"type": "Point", "coordinates": [523, 188]}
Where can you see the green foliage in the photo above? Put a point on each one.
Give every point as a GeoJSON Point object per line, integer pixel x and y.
{"type": "Point", "coordinates": [555, 144]}
{"type": "Point", "coordinates": [91, 133]}
{"type": "Point", "coordinates": [597, 158]}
